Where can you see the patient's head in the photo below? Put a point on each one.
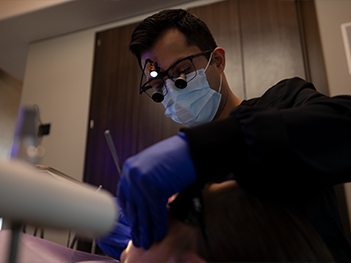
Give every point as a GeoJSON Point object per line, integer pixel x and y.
{"type": "Point", "coordinates": [179, 245]}
{"type": "Point", "coordinates": [232, 226]}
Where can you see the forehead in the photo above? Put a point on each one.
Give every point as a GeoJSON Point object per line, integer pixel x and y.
{"type": "Point", "coordinates": [170, 47]}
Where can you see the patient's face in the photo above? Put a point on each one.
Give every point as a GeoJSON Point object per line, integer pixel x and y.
{"type": "Point", "coordinates": [175, 247]}
{"type": "Point", "coordinates": [180, 243]}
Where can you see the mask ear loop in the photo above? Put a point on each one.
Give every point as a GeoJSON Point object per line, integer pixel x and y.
{"type": "Point", "coordinates": [209, 61]}
{"type": "Point", "coordinates": [220, 83]}
{"type": "Point", "coordinates": [221, 76]}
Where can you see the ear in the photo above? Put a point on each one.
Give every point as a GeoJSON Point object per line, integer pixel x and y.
{"type": "Point", "coordinates": [219, 58]}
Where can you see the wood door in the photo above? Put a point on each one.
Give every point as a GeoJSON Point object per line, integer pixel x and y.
{"type": "Point", "coordinates": [271, 44]}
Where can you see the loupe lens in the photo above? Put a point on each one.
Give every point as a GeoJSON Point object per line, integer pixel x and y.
{"type": "Point", "coordinates": [157, 97]}
{"type": "Point", "coordinates": [180, 82]}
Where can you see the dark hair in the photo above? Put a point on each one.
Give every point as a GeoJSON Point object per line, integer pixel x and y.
{"type": "Point", "coordinates": [151, 28]}
{"type": "Point", "coordinates": [241, 227]}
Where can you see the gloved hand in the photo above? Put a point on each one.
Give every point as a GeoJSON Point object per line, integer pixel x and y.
{"type": "Point", "coordinates": [117, 240]}
{"type": "Point", "coordinates": [148, 180]}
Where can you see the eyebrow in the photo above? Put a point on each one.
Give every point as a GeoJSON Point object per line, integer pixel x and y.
{"type": "Point", "coordinates": [176, 61]}
{"type": "Point", "coordinates": [172, 64]}
{"type": "Point", "coordinates": [191, 55]}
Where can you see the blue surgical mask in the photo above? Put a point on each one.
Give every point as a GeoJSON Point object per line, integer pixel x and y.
{"type": "Point", "coordinates": [196, 104]}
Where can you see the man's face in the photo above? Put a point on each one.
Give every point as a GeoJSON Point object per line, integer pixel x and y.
{"type": "Point", "coordinates": [170, 48]}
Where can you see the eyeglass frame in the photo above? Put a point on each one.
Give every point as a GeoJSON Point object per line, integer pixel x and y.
{"type": "Point", "coordinates": [163, 74]}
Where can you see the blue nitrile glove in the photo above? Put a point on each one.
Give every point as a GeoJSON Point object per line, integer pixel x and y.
{"type": "Point", "coordinates": [117, 240]}
{"type": "Point", "coordinates": [148, 180]}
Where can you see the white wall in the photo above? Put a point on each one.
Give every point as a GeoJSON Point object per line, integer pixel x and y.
{"type": "Point", "coordinates": [57, 78]}
{"type": "Point", "coordinates": [10, 8]}
{"type": "Point", "coordinates": [331, 14]}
